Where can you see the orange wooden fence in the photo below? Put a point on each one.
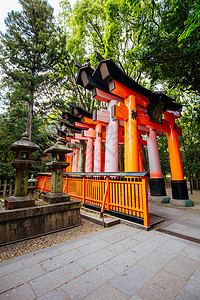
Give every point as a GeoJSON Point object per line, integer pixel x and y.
{"type": "Point", "coordinates": [120, 194]}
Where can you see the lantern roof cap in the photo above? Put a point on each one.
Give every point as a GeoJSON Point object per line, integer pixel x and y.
{"type": "Point", "coordinates": [24, 144]}
{"type": "Point", "coordinates": [58, 147]}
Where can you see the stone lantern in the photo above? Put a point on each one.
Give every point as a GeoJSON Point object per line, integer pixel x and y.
{"type": "Point", "coordinates": [57, 165]}
{"type": "Point", "coordinates": [31, 185]}
{"type": "Point", "coordinates": [22, 163]}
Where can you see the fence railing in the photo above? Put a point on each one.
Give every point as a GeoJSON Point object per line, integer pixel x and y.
{"type": "Point", "coordinates": [121, 194]}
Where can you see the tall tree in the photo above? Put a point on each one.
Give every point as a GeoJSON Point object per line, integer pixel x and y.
{"type": "Point", "coordinates": [83, 29]}
{"type": "Point", "coordinates": [12, 124]}
{"type": "Point", "coordinates": [170, 50]}
{"type": "Point", "coordinates": [28, 50]}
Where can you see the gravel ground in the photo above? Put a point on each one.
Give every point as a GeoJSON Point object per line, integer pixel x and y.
{"type": "Point", "coordinates": [31, 245]}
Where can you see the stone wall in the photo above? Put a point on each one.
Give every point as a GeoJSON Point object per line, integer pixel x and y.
{"type": "Point", "coordinates": [28, 222]}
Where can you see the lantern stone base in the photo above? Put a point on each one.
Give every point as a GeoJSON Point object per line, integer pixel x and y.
{"type": "Point", "coordinates": [56, 198]}
{"type": "Point", "coordinates": [181, 202]}
{"type": "Point", "coordinates": [13, 202]}
{"type": "Point", "coordinates": [20, 224]}
{"type": "Point", "coordinates": [159, 199]}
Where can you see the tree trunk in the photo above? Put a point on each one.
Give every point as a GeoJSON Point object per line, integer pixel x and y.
{"type": "Point", "coordinates": [30, 112]}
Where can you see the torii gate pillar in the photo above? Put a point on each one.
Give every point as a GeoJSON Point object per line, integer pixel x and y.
{"type": "Point", "coordinates": [111, 151]}
{"type": "Point", "coordinates": [98, 149]}
{"type": "Point", "coordinates": [89, 155]}
{"type": "Point", "coordinates": [156, 181]}
{"type": "Point", "coordinates": [179, 185]}
{"type": "Point", "coordinates": [131, 136]}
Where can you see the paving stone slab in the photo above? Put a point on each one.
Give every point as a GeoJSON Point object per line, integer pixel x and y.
{"type": "Point", "coordinates": [161, 238]}
{"type": "Point", "coordinates": [21, 292]}
{"type": "Point", "coordinates": [57, 294]}
{"type": "Point", "coordinates": [20, 277]}
{"type": "Point", "coordinates": [130, 230]}
{"type": "Point", "coordinates": [172, 247]}
{"type": "Point", "coordinates": [115, 237]}
{"type": "Point", "coordinates": [182, 266]}
{"type": "Point", "coordinates": [131, 280]}
{"type": "Point", "coordinates": [145, 247]}
{"type": "Point", "coordinates": [193, 286]}
{"type": "Point", "coordinates": [11, 267]}
{"type": "Point", "coordinates": [153, 291]}
{"type": "Point", "coordinates": [76, 243]}
{"type": "Point", "coordinates": [135, 297]}
{"type": "Point", "coordinates": [88, 282]}
{"type": "Point", "coordinates": [162, 286]}
{"type": "Point", "coordinates": [192, 251]}
{"type": "Point", "coordinates": [90, 261]}
{"type": "Point", "coordinates": [31, 254]}
{"type": "Point", "coordinates": [107, 232]}
{"type": "Point", "coordinates": [123, 245]}
{"type": "Point", "coordinates": [154, 261]}
{"type": "Point", "coordinates": [54, 279]}
{"type": "Point", "coordinates": [143, 235]}
{"type": "Point", "coordinates": [126, 259]}
{"type": "Point", "coordinates": [93, 247]}
{"type": "Point", "coordinates": [186, 296]}
{"type": "Point", "coordinates": [61, 260]}
{"type": "Point", "coordinates": [106, 292]}
{"type": "Point", "coordinates": [38, 257]}
{"type": "Point", "coordinates": [122, 261]}
{"type": "Point", "coordinates": [183, 229]}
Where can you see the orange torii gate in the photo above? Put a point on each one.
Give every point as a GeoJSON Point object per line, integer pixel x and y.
{"type": "Point", "coordinates": [106, 80]}
{"type": "Point", "coordinates": [92, 80]}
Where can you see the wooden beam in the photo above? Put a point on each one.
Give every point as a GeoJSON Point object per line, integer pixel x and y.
{"type": "Point", "coordinates": [123, 92]}
{"type": "Point", "coordinates": [105, 97]}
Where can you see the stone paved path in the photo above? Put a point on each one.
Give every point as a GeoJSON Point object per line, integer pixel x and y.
{"type": "Point", "coordinates": [120, 262]}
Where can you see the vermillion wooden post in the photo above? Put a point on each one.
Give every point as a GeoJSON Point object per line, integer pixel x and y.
{"type": "Point", "coordinates": [89, 155]}
{"type": "Point", "coordinates": [174, 151]}
{"type": "Point", "coordinates": [76, 160]}
{"type": "Point", "coordinates": [65, 187]}
{"type": "Point", "coordinates": [98, 149]}
{"type": "Point", "coordinates": [111, 151]}
{"type": "Point", "coordinates": [43, 185]}
{"type": "Point", "coordinates": [81, 156]}
{"type": "Point", "coordinates": [131, 136]}
{"type": "Point", "coordinates": [83, 190]}
{"type": "Point", "coordinates": [126, 145]}
{"type": "Point", "coordinates": [73, 161]}
{"type": "Point", "coordinates": [179, 185]}
{"type": "Point", "coordinates": [106, 198]}
{"type": "Point", "coordinates": [145, 202]}
{"type": "Point", "coordinates": [141, 167]}
{"type": "Point", "coordinates": [156, 182]}
{"type": "Point", "coordinates": [108, 193]}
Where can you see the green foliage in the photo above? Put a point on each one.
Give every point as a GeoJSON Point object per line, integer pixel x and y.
{"type": "Point", "coordinates": [12, 126]}
{"type": "Point", "coordinates": [27, 47]}
{"type": "Point", "coordinates": [164, 154]}
{"type": "Point", "coordinates": [151, 41]}
{"type": "Point", "coordinates": [190, 140]}
{"type": "Point", "coordinates": [29, 50]}
{"type": "Point", "coordinates": [170, 51]}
